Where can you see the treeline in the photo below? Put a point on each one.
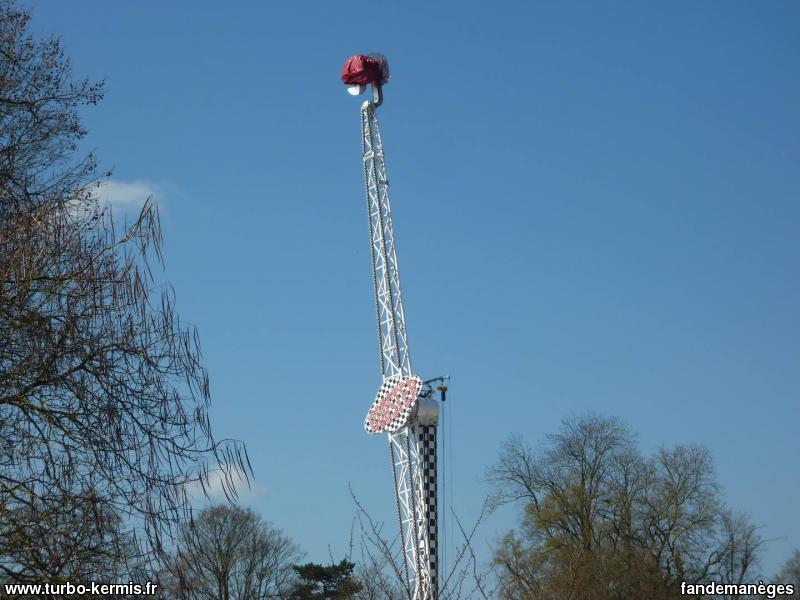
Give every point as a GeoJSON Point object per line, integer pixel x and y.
{"type": "Point", "coordinates": [600, 521]}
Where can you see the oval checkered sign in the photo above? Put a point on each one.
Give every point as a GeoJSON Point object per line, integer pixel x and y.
{"type": "Point", "coordinates": [393, 404]}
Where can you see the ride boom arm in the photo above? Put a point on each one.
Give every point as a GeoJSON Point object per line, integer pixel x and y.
{"type": "Point", "coordinates": [398, 409]}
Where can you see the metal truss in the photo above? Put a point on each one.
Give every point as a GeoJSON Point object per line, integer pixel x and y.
{"type": "Point", "coordinates": [392, 336]}
{"type": "Point", "coordinates": [411, 456]}
{"type": "Point", "coordinates": [412, 511]}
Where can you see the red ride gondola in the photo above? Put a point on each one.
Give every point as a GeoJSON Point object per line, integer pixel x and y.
{"type": "Point", "coordinates": [363, 69]}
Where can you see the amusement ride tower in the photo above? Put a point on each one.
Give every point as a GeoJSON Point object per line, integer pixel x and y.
{"type": "Point", "coordinates": [404, 407]}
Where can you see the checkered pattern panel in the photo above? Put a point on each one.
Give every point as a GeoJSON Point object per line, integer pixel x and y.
{"type": "Point", "coordinates": [393, 404]}
{"type": "Point", "coordinates": [427, 445]}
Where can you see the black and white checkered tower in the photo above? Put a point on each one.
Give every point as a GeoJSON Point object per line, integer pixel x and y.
{"type": "Point", "coordinates": [401, 409]}
{"type": "Point", "coordinates": [426, 438]}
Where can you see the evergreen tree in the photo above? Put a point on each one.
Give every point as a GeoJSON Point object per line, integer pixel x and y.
{"type": "Point", "coordinates": [332, 581]}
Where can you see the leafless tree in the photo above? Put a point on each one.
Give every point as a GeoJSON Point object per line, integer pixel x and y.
{"type": "Point", "coordinates": [682, 511]}
{"type": "Point", "coordinates": [103, 397]}
{"type": "Point", "coordinates": [230, 553]}
{"type": "Point", "coordinates": [740, 545]}
{"type": "Point", "coordinates": [601, 521]}
{"type": "Point", "coordinates": [65, 537]}
{"type": "Point", "coordinates": [380, 564]}
{"type": "Point", "coordinates": [790, 574]}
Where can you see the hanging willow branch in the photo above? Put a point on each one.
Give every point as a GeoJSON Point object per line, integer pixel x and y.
{"type": "Point", "coordinates": [103, 395]}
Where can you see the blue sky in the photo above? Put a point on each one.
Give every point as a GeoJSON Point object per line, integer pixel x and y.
{"type": "Point", "coordinates": [596, 206]}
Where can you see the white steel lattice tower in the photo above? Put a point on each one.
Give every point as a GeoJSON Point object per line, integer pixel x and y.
{"type": "Point", "coordinates": [401, 409]}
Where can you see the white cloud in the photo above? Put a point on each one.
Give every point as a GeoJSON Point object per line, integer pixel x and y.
{"type": "Point", "coordinates": [215, 482]}
{"type": "Point", "coordinates": [127, 195]}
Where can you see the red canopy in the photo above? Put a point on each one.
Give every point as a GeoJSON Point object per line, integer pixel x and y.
{"type": "Point", "coordinates": [363, 70]}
